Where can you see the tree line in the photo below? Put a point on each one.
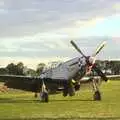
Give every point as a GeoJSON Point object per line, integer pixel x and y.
{"type": "Point", "coordinates": [21, 69]}
{"type": "Point", "coordinates": [108, 67]}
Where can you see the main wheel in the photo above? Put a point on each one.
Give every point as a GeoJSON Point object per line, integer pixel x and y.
{"type": "Point", "coordinates": [77, 87]}
{"type": "Point", "coordinates": [35, 95]}
{"type": "Point", "coordinates": [44, 97]}
{"type": "Point", "coordinates": [97, 96]}
{"type": "Point", "coordinates": [71, 91]}
{"type": "Point", "coordinates": [65, 92]}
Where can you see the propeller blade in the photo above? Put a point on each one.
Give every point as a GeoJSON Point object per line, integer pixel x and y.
{"type": "Point", "coordinates": [99, 48]}
{"type": "Point", "coordinates": [100, 73]}
{"type": "Point", "coordinates": [75, 46]}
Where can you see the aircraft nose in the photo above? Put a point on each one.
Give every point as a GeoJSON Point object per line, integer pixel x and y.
{"type": "Point", "coordinates": [91, 60]}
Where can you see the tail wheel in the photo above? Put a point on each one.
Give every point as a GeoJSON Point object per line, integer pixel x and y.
{"type": "Point", "coordinates": [97, 96]}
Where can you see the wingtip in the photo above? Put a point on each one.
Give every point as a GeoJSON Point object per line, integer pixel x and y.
{"type": "Point", "coordinates": [71, 41]}
{"type": "Point", "coordinates": [104, 42]}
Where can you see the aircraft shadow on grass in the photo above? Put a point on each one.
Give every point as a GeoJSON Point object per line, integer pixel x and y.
{"type": "Point", "coordinates": [9, 100]}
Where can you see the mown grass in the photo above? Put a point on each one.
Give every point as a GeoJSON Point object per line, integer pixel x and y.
{"type": "Point", "coordinates": [20, 105]}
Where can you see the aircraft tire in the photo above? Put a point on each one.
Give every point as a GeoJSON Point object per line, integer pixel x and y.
{"type": "Point", "coordinates": [71, 91]}
{"type": "Point", "coordinates": [35, 95]}
{"type": "Point", "coordinates": [65, 92]}
{"type": "Point", "coordinates": [77, 87]}
{"type": "Point", "coordinates": [44, 97]}
{"type": "Point", "coordinates": [97, 96]}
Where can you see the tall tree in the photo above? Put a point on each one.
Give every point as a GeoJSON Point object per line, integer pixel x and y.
{"type": "Point", "coordinates": [14, 69]}
{"type": "Point", "coordinates": [3, 71]}
{"type": "Point", "coordinates": [40, 68]}
{"type": "Point", "coordinates": [11, 69]}
{"type": "Point", "coordinates": [20, 68]}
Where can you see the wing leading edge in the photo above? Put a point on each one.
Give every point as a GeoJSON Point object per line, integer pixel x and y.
{"type": "Point", "coordinates": [28, 83]}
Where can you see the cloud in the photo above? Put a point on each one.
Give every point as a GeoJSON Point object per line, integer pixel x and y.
{"type": "Point", "coordinates": [89, 22]}
{"type": "Point", "coordinates": [32, 16]}
{"type": "Point", "coordinates": [34, 52]}
{"type": "Point", "coordinates": [43, 29]}
{"type": "Point", "coordinates": [50, 47]}
{"type": "Point", "coordinates": [116, 6]}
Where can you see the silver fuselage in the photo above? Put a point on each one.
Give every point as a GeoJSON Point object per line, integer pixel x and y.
{"type": "Point", "coordinates": [66, 70]}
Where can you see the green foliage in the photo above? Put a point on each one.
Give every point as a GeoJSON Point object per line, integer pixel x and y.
{"type": "Point", "coordinates": [40, 67]}
{"type": "Point", "coordinates": [29, 72]}
{"type": "Point", "coordinates": [14, 69]}
{"type": "Point", "coordinates": [113, 66]}
{"type": "Point", "coordinates": [20, 69]}
{"type": "Point", "coordinates": [3, 71]}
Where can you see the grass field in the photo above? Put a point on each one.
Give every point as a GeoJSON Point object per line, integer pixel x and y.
{"type": "Point", "coordinates": [19, 105]}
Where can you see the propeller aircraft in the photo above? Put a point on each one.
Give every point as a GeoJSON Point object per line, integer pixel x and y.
{"type": "Point", "coordinates": [66, 77]}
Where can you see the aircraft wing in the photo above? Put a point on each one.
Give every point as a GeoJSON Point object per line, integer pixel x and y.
{"type": "Point", "coordinates": [110, 77]}
{"type": "Point", "coordinates": [3, 78]}
{"type": "Point", "coordinates": [113, 77]}
{"type": "Point", "coordinates": [88, 79]}
{"type": "Point", "coordinates": [27, 83]}
{"type": "Point", "coordinates": [33, 84]}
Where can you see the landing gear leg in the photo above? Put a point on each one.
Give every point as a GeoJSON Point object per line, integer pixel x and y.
{"type": "Point", "coordinates": [44, 94]}
{"type": "Point", "coordinates": [97, 94]}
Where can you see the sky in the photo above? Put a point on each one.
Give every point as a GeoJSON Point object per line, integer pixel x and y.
{"type": "Point", "coordinates": [35, 31]}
